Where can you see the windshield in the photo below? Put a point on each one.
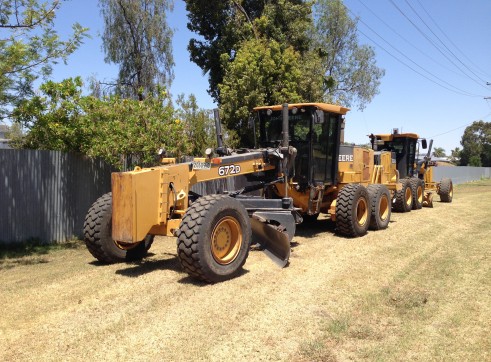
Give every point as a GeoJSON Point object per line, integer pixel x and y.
{"type": "Point", "coordinates": [313, 134]}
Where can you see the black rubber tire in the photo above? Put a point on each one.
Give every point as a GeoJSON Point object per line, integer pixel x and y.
{"type": "Point", "coordinates": [97, 235]}
{"type": "Point", "coordinates": [403, 200]}
{"type": "Point", "coordinates": [446, 190]}
{"type": "Point", "coordinates": [418, 191]}
{"type": "Point", "coordinates": [194, 238]}
{"type": "Point", "coordinates": [309, 219]}
{"type": "Point", "coordinates": [353, 210]}
{"type": "Point", "coordinates": [380, 206]}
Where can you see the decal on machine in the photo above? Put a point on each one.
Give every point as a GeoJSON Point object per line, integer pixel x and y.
{"type": "Point", "coordinates": [345, 158]}
{"type": "Point", "coordinates": [197, 165]}
{"type": "Point", "coordinates": [228, 170]}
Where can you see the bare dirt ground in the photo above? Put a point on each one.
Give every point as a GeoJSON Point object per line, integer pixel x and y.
{"type": "Point", "coordinates": [420, 290]}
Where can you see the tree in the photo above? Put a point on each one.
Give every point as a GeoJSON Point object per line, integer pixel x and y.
{"type": "Point", "coordinates": [113, 128]}
{"type": "Point", "coordinates": [439, 152]}
{"type": "Point", "coordinates": [351, 76]}
{"type": "Point", "coordinates": [269, 52]}
{"type": "Point", "coordinates": [455, 155]}
{"type": "Point", "coordinates": [262, 73]}
{"type": "Point", "coordinates": [137, 38]}
{"type": "Point", "coordinates": [29, 46]}
{"type": "Point", "coordinates": [224, 26]}
{"type": "Point", "coordinates": [199, 125]}
{"type": "Point", "coordinates": [476, 142]}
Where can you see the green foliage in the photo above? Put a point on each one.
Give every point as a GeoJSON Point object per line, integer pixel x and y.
{"type": "Point", "coordinates": [115, 129]}
{"type": "Point", "coordinates": [475, 161]}
{"type": "Point", "coordinates": [476, 142]}
{"type": "Point", "coordinates": [455, 155]}
{"type": "Point", "coordinates": [439, 152]}
{"type": "Point", "coordinates": [137, 38]}
{"type": "Point", "coordinates": [199, 126]}
{"type": "Point", "coordinates": [351, 76]}
{"type": "Point", "coordinates": [29, 46]}
{"type": "Point", "coordinates": [262, 73]}
{"type": "Point", "coordinates": [224, 26]}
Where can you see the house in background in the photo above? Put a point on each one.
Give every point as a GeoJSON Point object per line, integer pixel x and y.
{"type": "Point", "coordinates": [4, 129]}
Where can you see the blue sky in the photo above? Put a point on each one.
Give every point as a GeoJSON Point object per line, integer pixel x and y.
{"type": "Point", "coordinates": [437, 92]}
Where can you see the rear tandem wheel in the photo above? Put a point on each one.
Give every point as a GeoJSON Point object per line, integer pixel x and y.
{"type": "Point", "coordinates": [403, 198]}
{"type": "Point", "coordinates": [380, 206]}
{"type": "Point", "coordinates": [353, 210]}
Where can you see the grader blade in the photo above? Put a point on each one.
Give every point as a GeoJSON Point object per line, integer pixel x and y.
{"type": "Point", "coordinates": [274, 240]}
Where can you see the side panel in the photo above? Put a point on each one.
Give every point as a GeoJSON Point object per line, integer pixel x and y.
{"type": "Point", "coordinates": [355, 164]}
{"type": "Point", "coordinates": [135, 204]}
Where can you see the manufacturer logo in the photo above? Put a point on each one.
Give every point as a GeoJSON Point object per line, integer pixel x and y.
{"type": "Point", "coordinates": [345, 158]}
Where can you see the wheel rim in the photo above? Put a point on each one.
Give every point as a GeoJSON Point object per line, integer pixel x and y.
{"type": "Point", "coordinates": [420, 194]}
{"type": "Point", "coordinates": [226, 240]}
{"type": "Point", "coordinates": [451, 191]}
{"type": "Point", "coordinates": [361, 211]}
{"type": "Point", "coordinates": [384, 208]}
{"type": "Point", "coordinates": [408, 196]}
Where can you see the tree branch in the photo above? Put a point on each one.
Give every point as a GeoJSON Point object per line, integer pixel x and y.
{"type": "Point", "coordinates": [29, 25]}
{"type": "Point", "coordinates": [242, 10]}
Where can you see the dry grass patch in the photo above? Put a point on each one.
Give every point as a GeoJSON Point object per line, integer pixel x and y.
{"type": "Point", "coordinates": [419, 290]}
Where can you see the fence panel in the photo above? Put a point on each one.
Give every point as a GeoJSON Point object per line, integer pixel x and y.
{"type": "Point", "coordinates": [45, 195]}
{"type": "Point", "coordinates": [461, 174]}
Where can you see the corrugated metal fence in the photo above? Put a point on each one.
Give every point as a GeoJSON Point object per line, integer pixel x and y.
{"type": "Point", "coordinates": [460, 175]}
{"type": "Point", "coordinates": [44, 195]}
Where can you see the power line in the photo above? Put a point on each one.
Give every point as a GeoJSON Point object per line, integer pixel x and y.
{"type": "Point", "coordinates": [430, 40]}
{"type": "Point", "coordinates": [455, 90]}
{"type": "Point", "coordinates": [447, 48]}
{"type": "Point", "coordinates": [465, 125]}
{"type": "Point", "coordinates": [451, 42]}
{"type": "Point", "coordinates": [426, 55]}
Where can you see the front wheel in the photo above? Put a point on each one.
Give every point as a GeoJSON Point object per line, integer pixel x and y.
{"type": "Point", "coordinates": [214, 237]}
{"type": "Point", "coordinates": [418, 190]}
{"type": "Point", "coordinates": [446, 190]}
{"type": "Point", "coordinates": [353, 210]}
{"type": "Point", "coordinates": [98, 238]}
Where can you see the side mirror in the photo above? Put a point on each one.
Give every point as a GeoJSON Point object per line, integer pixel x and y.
{"type": "Point", "coordinates": [424, 144]}
{"type": "Point", "coordinates": [319, 117]}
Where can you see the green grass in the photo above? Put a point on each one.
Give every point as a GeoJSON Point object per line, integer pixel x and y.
{"type": "Point", "coordinates": [34, 247]}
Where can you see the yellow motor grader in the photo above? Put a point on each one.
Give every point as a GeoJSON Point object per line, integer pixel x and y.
{"type": "Point", "coordinates": [416, 176]}
{"type": "Point", "coordinates": [297, 170]}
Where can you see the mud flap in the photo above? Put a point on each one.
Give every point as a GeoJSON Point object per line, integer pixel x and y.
{"type": "Point", "coordinates": [273, 231]}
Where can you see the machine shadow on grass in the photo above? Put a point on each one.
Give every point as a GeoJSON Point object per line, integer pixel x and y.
{"type": "Point", "coordinates": [314, 228]}
{"type": "Point", "coordinates": [135, 269]}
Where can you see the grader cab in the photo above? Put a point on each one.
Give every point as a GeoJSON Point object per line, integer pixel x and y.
{"type": "Point", "coordinates": [416, 175]}
{"type": "Point", "coordinates": [297, 169]}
